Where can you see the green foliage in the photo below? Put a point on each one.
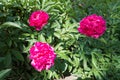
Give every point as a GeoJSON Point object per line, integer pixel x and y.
{"type": "Point", "coordinates": [86, 58]}
{"type": "Point", "coordinates": [3, 73]}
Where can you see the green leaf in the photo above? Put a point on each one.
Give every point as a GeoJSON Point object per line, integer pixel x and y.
{"type": "Point", "coordinates": [18, 55]}
{"type": "Point", "coordinates": [94, 61]}
{"type": "Point", "coordinates": [11, 24]}
{"type": "Point", "coordinates": [49, 5]}
{"type": "Point", "coordinates": [58, 46]}
{"type": "Point", "coordinates": [97, 74]}
{"type": "Point", "coordinates": [1, 59]}
{"type": "Point", "coordinates": [49, 40]}
{"type": "Point", "coordinates": [76, 61]}
{"type": "Point", "coordinates": [103, 40]}
{"type": "Point", "coordinates": [9, 43]}
{"type": "Point", "coordinates": [41, 38]}
{"type": "Point", "coordinates": [8, 60]}
{"type": "Point", "coordinates": [4, 73]}
{"type": "Point", "coordinates": [55, 75]}
{"type": "Point", "coordinates": [57, 35]}
{"type": "Point", "coordinates": [49, 74]}
{"type": "Point", "coordinates": [63, 55]}
{"type": "Point", "coordinates": [85, 64]}
{"type": "Point", "coordinates": [70, 68]}
{"type": "Point", "coordinates": [43, 3]}
{"type": "Point", "coordinates": [65, 67]}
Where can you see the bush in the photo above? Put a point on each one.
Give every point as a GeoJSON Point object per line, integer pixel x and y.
{"type": "Point", "coordinates": [84, 57]}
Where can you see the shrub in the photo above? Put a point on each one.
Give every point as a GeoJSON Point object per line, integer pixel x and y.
{"type": "Point", "coordinates": [76, 54]}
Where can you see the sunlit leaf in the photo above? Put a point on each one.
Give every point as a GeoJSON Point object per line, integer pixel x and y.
{"type": "Point", "coordinates": [10, 24]}
{"type": "Point", "coordinates": [41, 38]}
{"type": "Point", "coordinates": [4, 73]}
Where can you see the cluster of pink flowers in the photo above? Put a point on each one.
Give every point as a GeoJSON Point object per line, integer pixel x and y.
{"type": "Point", "coordinates": [93, 26]}
{"type": "Point", "coordinates": [38, 19]}
{"type": "Point", "coordinates": [42, 56]}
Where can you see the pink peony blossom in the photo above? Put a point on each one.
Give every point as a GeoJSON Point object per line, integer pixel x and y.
{"type": "Point", "coordinates": [42, 56]}
{"type": "Point", "coordinates": [38, 19]}
{"type": "Point", "coordinates": [92, 26]}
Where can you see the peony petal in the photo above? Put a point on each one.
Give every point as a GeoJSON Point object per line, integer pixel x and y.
{"type": "Point", "coordinates": [92, 26]}
{"type": "Point", "coordinates": [42, 56]}
{"type": "Point", "coordinates": [38, 19]}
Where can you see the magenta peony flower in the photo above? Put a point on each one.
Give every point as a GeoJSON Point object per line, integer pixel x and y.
{"type": "Point", "coordinates": [93, 26]}
{"type": "Point", "coordinates": [42, 56]}
{"type": "Point", "coordinates": [38, 19]}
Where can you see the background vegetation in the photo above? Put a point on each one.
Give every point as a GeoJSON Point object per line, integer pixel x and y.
{"type": "Point", "coordinates": [78, 55]}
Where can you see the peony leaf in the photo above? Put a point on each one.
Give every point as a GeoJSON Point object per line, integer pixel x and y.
{"type": "Point", "coordinates": [49, 74]}
{"type": "Point", "coordinates": [2, 59]}
{"type": "Point", "coordinates": [41, 38]}
{"type": "Point", "coordinates": [11, 24]}
{"type": "Point", "coordinates": [8, 60]}
{"type": "Point", "coordinates": [18, 55]}
{"type": "Point", "coordinates": [57, 35]}
{"type": "Point", "coordinates": [103, 40]}
{"type": "Point", "coordinates": [4, 73]}
{"type": "Point", "coordinates": [63, 55]}
{"type": "Point", "coordinates": [94, 61]}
